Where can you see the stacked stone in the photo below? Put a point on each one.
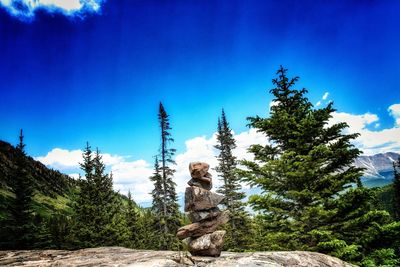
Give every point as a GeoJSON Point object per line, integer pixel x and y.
{"type": "Point", "coordinates": [202, 204]}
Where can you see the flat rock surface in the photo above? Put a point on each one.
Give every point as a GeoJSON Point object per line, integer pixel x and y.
{"type": "Point", "coordinates": [117, 256]}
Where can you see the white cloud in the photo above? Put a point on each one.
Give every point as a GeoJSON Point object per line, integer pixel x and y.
{"type": "Point", "coordinates": [318, 104]}
{"type": "Point", "coordinates": [64, 159]}
{"type": "Point", "coordinates": [370, 141]}
{"type": "Point", "coordinates": [133, 176]}
{"type": "Point", "coordinates": [325, 96]}
{"type": "Point", "coordinates": [245, 139]}
{"type": "Point", "coordinates": [25, 9]}
{"type": "Point", "coordinates": [394, 111]}
{"type": "Point", "coordinates": [357, 123]}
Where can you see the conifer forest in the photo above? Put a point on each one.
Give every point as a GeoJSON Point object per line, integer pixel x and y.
{"type": "Point", "coordinates": [309, 195]}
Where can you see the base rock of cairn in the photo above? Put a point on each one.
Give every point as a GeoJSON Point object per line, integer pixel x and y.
{"type": "Point", "coordinates": [201, 235]}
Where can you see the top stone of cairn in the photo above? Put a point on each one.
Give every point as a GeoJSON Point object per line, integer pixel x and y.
{"type": "Point", "coordinates": [200, 175]}
{"type": "Point", "coordinates": [198, 169]}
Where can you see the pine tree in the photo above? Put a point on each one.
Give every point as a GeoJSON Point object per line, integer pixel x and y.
{"type": "Point", "coordinates": [23, 227]}
{"type": "Point", "coordinates": [238, 228]}
{"type": "Point", "coordinates": [165, 200]}
{"type": "Point", "coordinates": [396, 188]}
{"type": "Point", "coordinates": [305, 175]}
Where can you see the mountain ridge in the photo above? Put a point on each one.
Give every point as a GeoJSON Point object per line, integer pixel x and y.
{"type": "Point", "coordinates": [378, 166]}
{"type": "Point", "coordinates": [46, 180]}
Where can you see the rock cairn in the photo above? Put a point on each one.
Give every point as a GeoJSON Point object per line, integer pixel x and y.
{"type": "Point", "coordinates": [202, 205]}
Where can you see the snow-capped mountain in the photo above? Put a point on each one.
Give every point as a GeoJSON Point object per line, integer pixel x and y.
{"type": "Point", "coordinates": [379, 166]}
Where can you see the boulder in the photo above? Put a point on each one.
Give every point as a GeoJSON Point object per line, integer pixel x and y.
{"type": "Point", "coordinates": [206, 245]}
{"type": "Point", "coordinates": [197, 198]}
{"type": "Point", "coordinates": [198, 169]}
{"type": "Point", "coordinates": [204, 227]}
{"type": "Point", "coordinates": [200, 183]}
{"type": "Point", "coordinates": [196, 216]}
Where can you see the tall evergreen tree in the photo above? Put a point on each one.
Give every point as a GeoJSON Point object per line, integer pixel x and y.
{"type": "Point", "coordinates": [23, 227]}
{"type": "Point", "coordinates": [305, 175]}
{"type": "Point", "coordinates": [84, 233]}
{"type": "Point", "coordinates": [238, 228]}
{"type": "Point", "coordinates": [98, 216]}
{"type": "Point", "coordinates": [396, 188]}
{"type": "Point", "coordinates": [165, 200]}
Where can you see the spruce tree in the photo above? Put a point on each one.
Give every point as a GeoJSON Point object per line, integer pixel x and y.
{"type": "Point", "coordinates": [84, 231]}
{"type": "Point", "coordinates": [98, 211]}
{"type": "Point", "coordinates": [149, 236]}
{"type": "Point", "coordinates": [132, 223]}
{"type": "Point", "coordinates": [238, 228]}
{"type": "Point", "coordinates": [157, 193]}
{"type": "Point", "coordinates": [305, 174]}
{"type": "Point", "coordinates": [23, 227]}
{"type": "Point", "coordinates": [165, 200]}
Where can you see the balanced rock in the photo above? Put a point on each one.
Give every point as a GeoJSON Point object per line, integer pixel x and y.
{"type": "Point", "coordinates": [207, 245]}
{"type": "Point", "coordinates": [198, 169]}
{"type": "Point", "coordinates": [197, 198]}
{"type": "Point", "coordinates": [206, 217]}
{"type": "Point", "coordinates": [196, 216]}
{"type": "Point", "coordinates": [203, 227]}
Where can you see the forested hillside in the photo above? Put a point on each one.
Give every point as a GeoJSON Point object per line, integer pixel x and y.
{"type": "Point", "coordinates": [53, 206]}
{"type": "Point", "coordinates": [46, 181]}
{"type": "Point", "coordinates": [52, 190]}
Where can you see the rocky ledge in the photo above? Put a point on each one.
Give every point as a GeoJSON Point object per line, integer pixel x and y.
{"type": "Point", "coordinates": [117, 256]}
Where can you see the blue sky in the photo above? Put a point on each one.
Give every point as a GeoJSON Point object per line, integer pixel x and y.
{"type": "Point", "coordinates": [71, 73]}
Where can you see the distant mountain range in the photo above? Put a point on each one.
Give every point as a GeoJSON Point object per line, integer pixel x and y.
{"type": "Point", "coordinates": [378, 168]}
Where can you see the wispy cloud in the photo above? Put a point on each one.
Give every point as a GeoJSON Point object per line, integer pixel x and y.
{"type": "Point", "coordinates": [323, 99]}
{"type": "Point", "coordinates": [25, 9]}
